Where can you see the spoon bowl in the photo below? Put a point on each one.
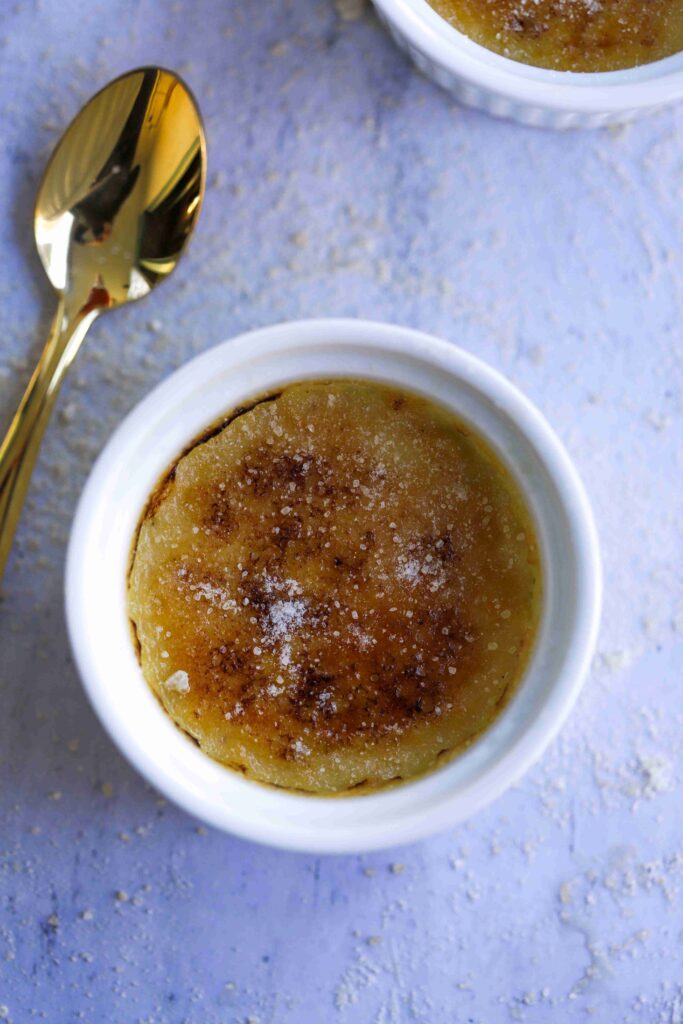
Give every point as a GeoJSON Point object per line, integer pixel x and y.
{"type": "Point", "coordinates": [116, 205]}
{"type": "Point", "coordinates": [123, 189]}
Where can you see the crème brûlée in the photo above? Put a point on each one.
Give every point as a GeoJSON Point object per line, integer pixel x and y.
{"type": "Point", "coordinates": [571, 35]}
{"type": "Point", "coordinates": [336, 588]}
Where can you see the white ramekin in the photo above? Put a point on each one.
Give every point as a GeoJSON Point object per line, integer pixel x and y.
{"type": "Point", "coordinates": [196, 396]}
{"type": "Point", "coordinates": [534, 96]}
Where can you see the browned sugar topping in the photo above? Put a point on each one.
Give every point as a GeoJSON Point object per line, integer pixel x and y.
{"type": "Point", "coordinates": [335, 589]}
{"type": "Point", "coordinates": [571, 35]}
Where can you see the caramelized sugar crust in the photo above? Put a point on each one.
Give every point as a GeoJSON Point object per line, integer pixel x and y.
{"type": "Point", "coordinates": [337, 589]}
{"type": "Point", "coordinates": [571, 35]}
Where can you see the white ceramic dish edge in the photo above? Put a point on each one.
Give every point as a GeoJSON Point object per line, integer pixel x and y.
{"type": "Point", "coordinates": [149, 439]}
{"type": "Point", "coordinates": [534, 96]}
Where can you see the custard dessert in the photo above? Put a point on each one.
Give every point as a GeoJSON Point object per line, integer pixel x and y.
{"type": "Point", "coordinates": [336, 588]}
{"type": "Point", "coordinates": [571, 35]}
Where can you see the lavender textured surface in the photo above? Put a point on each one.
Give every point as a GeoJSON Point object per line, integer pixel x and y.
{"type": "Point", "coordinates": [343, 183]}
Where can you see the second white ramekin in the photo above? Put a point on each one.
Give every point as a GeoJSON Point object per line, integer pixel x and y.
{"type": "Point", "coordinates": [176, 412]}
{"type": "Point", "coordinates": [535, 96]}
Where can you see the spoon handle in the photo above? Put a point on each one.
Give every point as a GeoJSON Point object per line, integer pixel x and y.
{"type": "Point", "coordinates": [20, 446]}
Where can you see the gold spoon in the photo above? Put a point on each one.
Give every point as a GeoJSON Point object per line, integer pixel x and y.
{"type": "Point", "coordinates": [118, 201]}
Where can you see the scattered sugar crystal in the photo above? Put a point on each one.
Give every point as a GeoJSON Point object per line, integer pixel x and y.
{"type": "Point", "coordinates": [179, 682]}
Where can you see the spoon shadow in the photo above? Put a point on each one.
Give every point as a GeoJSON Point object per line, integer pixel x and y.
{"type": "Point", "coordinates": [37, 293]}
